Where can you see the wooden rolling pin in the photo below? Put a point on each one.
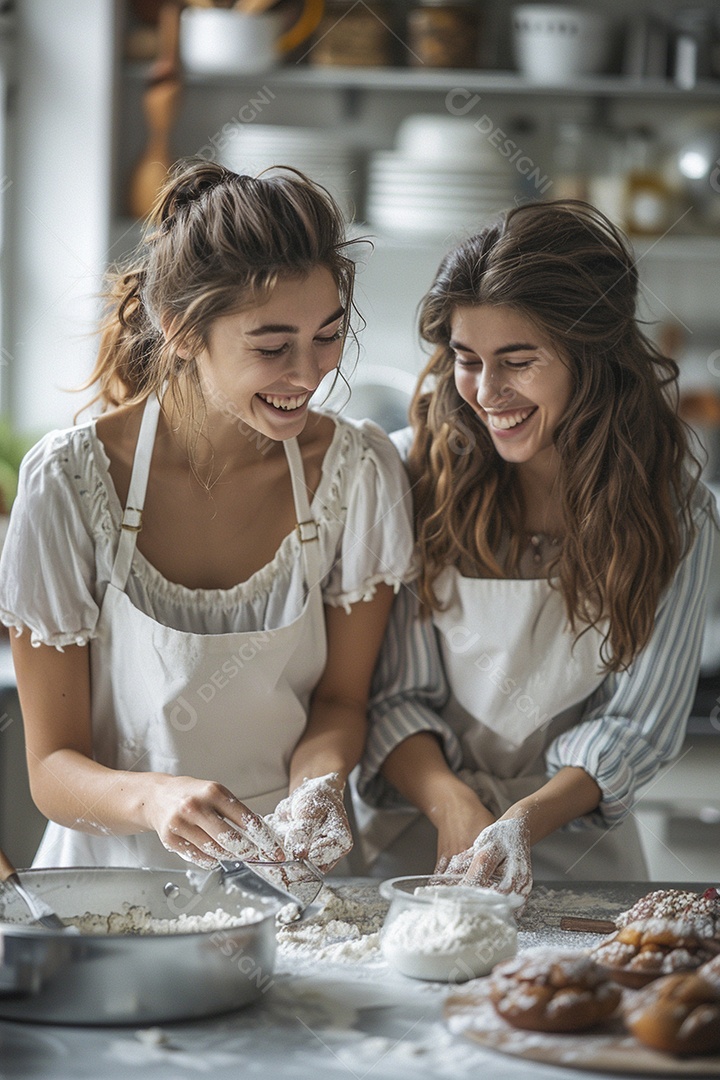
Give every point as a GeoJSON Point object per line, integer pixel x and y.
{"type": "Point", "coordinates": [587, 926]}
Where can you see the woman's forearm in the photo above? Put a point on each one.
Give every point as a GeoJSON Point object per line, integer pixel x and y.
{"type": "Point", "coordinates": [334, 738]}
{"type": "Point", "coordinates": [75, 791]}
{"type": "Point", "coordinates": [418, 770]}
{"type": "Point", "coordinates": [332, 742]}
{"type": "Point", "coordinates": [569, 794]}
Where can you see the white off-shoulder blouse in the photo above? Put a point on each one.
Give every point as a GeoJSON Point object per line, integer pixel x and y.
{"type": "Point", "coordinates": [65, 523]}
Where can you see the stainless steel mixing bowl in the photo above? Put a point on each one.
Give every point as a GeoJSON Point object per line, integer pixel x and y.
{"type": "Point", "coordinates": [68, 978]}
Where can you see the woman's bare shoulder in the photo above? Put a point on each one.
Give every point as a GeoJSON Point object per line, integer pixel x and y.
{"type": "Point", "coordinates": [118, 431]}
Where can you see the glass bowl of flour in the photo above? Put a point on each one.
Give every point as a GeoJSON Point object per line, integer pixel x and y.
{"type": "Point", "coordinates": [441, 930]}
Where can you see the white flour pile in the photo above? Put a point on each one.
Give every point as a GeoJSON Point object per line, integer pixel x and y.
{"type": "Point", "coordinates": [448, 940]}
{"type": "Point", "coordinates": [347, 928]}
{"type": "Point", "coordinates": [134, 919]}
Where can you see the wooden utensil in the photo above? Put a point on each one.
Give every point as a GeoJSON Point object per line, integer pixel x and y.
{"type": "Point", "coordinates": [587, 926]}
{"type": "Point", "coordinates": [41, 912]}
{"type": "Point", "coordinates": [160, 106]}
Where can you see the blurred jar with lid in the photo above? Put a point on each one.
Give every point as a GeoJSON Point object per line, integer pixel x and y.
{"type": "Point", "coordinates": [589, 163]}
{"type": "Point", "coordinates": [606, 187]}
{"type": "Point", "coordinates": [648, 197]}
{"type": "Point", "coordinates": [353, 34]}
{"type": "Point", "coordinates": [571, 150]}
{"type": "Point", "coordinates": [443, 33]}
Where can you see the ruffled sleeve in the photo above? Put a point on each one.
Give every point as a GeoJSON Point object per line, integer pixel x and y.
{"type": "Point", "coordinates": [376, 545]}
{"type": "Point", "coordinates": [47, 569]}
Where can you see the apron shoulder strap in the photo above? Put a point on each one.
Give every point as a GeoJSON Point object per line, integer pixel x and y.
{"type": "Point", "coordinates": [132, 514]}
{"type": "Point", "coordinates": [306, 525]}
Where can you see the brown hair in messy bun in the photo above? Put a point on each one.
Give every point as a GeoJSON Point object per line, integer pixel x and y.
{"type": "Point", "coordinates": [214, 243]}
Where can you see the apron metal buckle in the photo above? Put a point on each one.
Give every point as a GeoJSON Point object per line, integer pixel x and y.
{"type": "Point", "coordinates": [311, 524]}
{"type": "Point", "coordinates": [132, 526]}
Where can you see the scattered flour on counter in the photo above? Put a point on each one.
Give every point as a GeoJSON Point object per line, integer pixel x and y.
{"type": "Point", "coordinates": [437, 1053]}
{"type": "Point", "coordinates": [346, 930]}
{"type": "Point", "coordinates": [545, 906]}
{"type": "Point", "coordinates": [139, 1051]}
{"type": "Point", "coordinates": [134, 919]}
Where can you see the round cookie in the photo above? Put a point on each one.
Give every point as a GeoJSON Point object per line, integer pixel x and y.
{"type": "Point", "coordinates": [550, 990]}
{"type": "Point", "coordinates": [647, 949]}
{"type": "Point", "coordinates": [679, 1014]}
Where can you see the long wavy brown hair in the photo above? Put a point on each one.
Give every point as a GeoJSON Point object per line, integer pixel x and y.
{"type": "Point", "coordinates": [215, 243]}
{"type": "Point", "coordinates": [626, 477]}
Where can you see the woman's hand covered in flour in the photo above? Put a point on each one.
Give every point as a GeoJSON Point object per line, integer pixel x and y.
{"type": "Point", "coordinates": [501, 858]}
{"type": "Point", "coordinates": [311, 822]}
{"type": "Point", "coordinates": [202, 822]}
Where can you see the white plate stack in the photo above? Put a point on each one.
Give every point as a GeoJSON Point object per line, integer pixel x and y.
{"type": "Point", "coordinates": [317, 153]}
{"type": "Point", "coordinates": [444, 176]}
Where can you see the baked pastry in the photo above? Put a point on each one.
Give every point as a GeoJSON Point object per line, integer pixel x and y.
{"type": "Point", "coordinates": [550, 990]}
{"type": "Point", "coordinates": [679, 1014]}
{"type": "Point", "coordinates": [650, 948]}
{"type": "Point", "coordinates": [701, 911]}
{"type": "Point", "coordinates": [711, 971]}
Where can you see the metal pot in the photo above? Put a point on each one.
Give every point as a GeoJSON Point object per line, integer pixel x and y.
{"type": "Point", "coordinates": [79, 978]}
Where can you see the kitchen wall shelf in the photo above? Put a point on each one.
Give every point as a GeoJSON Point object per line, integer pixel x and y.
{"type": "Point", "coordinates": [126, 231]}
{"type": "Point", "coordinates": [474, 80]}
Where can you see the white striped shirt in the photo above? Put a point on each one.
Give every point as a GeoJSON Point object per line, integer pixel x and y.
{"type": "Point", "coordinates": [631, 725]}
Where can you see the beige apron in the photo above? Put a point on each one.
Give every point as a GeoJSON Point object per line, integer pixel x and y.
{"type": "Point", "coordinates": [223, 707]}
{"type": "Point", "coordinates": [518, 678]}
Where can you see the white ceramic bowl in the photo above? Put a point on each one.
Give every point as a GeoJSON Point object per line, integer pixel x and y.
{"type": "Point", "coordinates": [554, 43]}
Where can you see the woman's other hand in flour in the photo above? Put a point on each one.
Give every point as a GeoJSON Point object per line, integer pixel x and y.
{"type": "Point", "coordinates": [501, 857]}
{"type": "Point", "coordinates": [202, 822]}
{"type": "Point", "coordinates": [459, 819]}
{"type": "Point", "coordinates": [311, 822]}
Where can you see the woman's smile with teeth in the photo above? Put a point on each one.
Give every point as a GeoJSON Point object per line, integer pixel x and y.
{"type": "Point", "coordinates": [287, 404]}
{"type": "Point", "coordinates": [505, 420]}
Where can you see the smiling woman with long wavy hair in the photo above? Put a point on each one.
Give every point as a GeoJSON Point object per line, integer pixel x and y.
{"type": "Point", "coordinates": [551, 644]}
{"type": "Point", "coordinates": [622, 450]}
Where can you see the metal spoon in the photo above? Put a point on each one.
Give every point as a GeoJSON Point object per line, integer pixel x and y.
{"type": "Point", "coordinates": [41, 912]}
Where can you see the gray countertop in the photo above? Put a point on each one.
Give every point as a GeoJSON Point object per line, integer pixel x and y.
{"type": "Point", "coordinates": [317, 1019]}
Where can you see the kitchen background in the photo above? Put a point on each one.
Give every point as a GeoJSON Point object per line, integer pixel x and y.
{"type": "Point", "coordinates": [424, 117]}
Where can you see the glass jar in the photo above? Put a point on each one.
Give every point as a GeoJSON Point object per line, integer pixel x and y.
{"type": "Point", "coordinates": [573, 139]}
{"type": "Point", "coordinates": [648, 198]}
{"type": "Point", "coordinates": [443, 34]}
{"type": "Point", "coordinates": [441, 930]}
{"type": "Point", "coordinates": [353, 35]}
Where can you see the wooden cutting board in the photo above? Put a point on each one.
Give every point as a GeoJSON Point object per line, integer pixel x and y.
{"type": "Point", "coordinates": [604, 1049]}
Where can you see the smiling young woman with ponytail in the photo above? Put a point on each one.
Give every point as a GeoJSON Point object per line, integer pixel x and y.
{"type": "Point", "coordinates": [200, 577]}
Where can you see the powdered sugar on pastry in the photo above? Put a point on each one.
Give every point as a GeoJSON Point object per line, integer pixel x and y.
{"type": "Point", "coordinates": [702, 913]}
